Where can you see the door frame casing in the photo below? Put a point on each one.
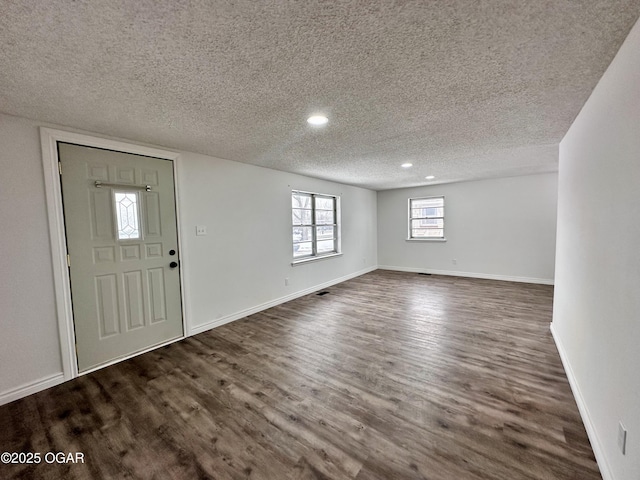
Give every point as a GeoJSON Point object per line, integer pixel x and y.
{"type": "Point", "coordinates": [49, 139]}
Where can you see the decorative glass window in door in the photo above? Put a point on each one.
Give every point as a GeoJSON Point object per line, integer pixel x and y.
{"type": "Point", "coordinates": [127, 215]}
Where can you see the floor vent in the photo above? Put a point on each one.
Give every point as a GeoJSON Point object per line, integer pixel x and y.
{"type": "Point", "coordinates": [424, 274]}
{"type": "Point", "coordinates": [322, 293]}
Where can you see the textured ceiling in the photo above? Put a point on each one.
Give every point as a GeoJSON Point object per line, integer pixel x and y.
{"type": "Point", "coordinates": [462, 89]}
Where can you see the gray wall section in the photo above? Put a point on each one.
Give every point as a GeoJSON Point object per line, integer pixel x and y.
{"type": "Point", "coordinates": [246, 255]}
{"type": "Point", "coordinates": [29, 346]}
{"type": "Point", "coordinates": [596, 318]}
{"type": "Point", "coordinates": [498, 228]}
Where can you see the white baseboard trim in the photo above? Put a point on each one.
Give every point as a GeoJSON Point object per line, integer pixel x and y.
{"type": "Point", "coordinates": [598, 451]}
{"type": "Point", "coordinates": [487, 276]}
{"type": "Point", "coordinates": [272, 303]}
{"type": "Point", "coordinates": [31, 388]}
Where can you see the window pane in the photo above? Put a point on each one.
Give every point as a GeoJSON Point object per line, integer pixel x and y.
{"type": "Point", "coordinates": [314, 219]}
{"type": "Point", "coordinates": [127, 215]}
{"type": "Point", "coordinates": [301, 217]}
{"type": "Point", "coordinates": [427, 212]}
{"type": "Point", "coordinates": [428, 222]}
{"type": "Point", "coordinates": [427, 202]}
{"type": "Point", "coordinates": [324, 203]}
{"type": "Point", "coordinates": [324, 217]}
{"type": "Point", "coordinates": [301, 234]}
{"type": "Point", "coordinates": [302, 249]}
{"type": "Point", "coordinates": [324, 233]}
{"type": "Point", "coordinates": [427, 217]}
{"type": "Point", "coordinates": [427, 233]}
{"type": "Point", "coordinates": [300, 200]}
{"type": "Point", "coordinates": [325, 246]}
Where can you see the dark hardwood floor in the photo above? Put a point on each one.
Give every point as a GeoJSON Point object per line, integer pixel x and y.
{"type": "Point", "coordinates": [389, 376]}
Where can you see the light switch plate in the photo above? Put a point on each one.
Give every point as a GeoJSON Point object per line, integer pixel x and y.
{"type": "Point", "coordinates": [201, 230]}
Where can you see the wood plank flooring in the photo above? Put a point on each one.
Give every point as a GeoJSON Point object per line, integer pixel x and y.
{"type": "Point", "coordinates": [388, 376]}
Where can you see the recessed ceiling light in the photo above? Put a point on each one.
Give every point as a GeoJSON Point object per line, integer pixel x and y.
{"type": "Point", "coordinates": [407, 165]}
{"type": "Point", "coordinates": [317, 120]}
{"type": "Point", "coordinates": [430, 177]}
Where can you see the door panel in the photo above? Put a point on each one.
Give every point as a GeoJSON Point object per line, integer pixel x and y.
{"type": "Point", "coordinates": [133, 300]}
{"type": "Point", "coordinates": [125, 296]}
{"type": "Point", "coordinates": [107, 303]}
{"type": "Point", "coordinates": [157, 294]}
{"type": "Point", "coordinates": [152, 218]}
{"type": "Point", "coordinates": [101, 218]}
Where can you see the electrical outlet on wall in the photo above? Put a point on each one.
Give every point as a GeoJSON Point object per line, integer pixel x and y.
{"type": "Point", "coordinates": [455, 261]}
{"type": "Point", "coordinates": [622, 438]}
{"type": "Point", "coordinates": [201, 230]}
{"type": "Point", "coordinates": [286, 281]}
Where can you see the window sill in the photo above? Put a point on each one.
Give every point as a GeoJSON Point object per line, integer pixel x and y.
{"type": "Point", "coordinates": [426, 239]}
{"type": "Point", "coordinates": [313, 259]}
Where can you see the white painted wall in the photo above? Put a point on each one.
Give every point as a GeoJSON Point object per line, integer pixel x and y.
{"type": "Point", "coordinates": [244, 259]}
{"type": "Point", "coordinates": [501, 228]}
{"type": "Point", "coordinates": [238, 268]}
{"type": "Point", "coordinates": [596, 320]}
{"type": "Point", "coordinates": [29, 346]}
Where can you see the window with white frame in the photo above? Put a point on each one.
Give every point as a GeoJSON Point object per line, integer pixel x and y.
{"type": "Point", "coordinates": [426, 218]}
{"type": "Point", "coordinates": [316, 224]}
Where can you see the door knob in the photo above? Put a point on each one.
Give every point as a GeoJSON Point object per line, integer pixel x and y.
{"type": "Point", "coordinates": [173, 264]}
{"type": "Point", "coordinates": [172, 252]}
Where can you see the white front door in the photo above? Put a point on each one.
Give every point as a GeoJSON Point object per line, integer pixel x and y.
{"type": "Point", "coordinates": [120, 222]}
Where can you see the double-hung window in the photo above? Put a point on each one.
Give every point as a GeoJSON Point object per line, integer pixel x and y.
{"type": "Point", "coordinates": [316, 224]}
{"type": "Point", "coordinates": [426, 218]}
